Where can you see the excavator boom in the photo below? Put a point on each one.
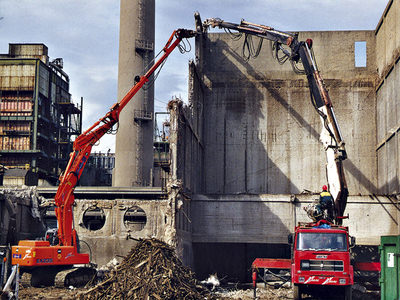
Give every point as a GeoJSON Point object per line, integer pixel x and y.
{"type": "Point", "coordinates": [34, 255]}
{"type": "Point", "coordinates": [83, 144]}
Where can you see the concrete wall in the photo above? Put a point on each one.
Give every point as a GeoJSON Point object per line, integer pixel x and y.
{"type": "Point", "coordinates": [19, 216]}
{"type": "Point", "coordinates": [186, 152]}
{"type": "Point", "coordinates": [116, 237]}
{"type": "Point", "coordinates": [261, 133]}
{"type": "Point", "coordinates": [186, 147]}
{"type": "Point", "coordinates": [260, 141]}
{"type": "Point", "coordinates": [113, 239]}
{"type": "Point", "coordinates": [269, 219]}
{"type": "Point", "coordinates": [388, 99]}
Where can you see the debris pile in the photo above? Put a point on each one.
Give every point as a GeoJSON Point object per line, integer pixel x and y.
{"type": "Point", "coordinates": [20, 206]}
{"type": "Point", "coordinates": [25, 195]}
{"type": "Point", "coordinates": [150, 271]}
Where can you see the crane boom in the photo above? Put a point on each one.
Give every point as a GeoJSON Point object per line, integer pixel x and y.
{"type": "Point", "coordinates": [330, 136]}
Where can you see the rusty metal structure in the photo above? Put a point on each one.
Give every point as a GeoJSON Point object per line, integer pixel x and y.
{"type": "Point", "coordinates": [37, 117]}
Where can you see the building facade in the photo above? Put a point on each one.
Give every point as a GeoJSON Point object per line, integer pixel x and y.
{"type": "Point", "coordinates": [248, 151]}
{"type": "Point", "coordinates": [37, 116]}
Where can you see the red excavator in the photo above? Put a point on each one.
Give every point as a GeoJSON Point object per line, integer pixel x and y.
{"type": "Point", "coordinates": [45, 260]}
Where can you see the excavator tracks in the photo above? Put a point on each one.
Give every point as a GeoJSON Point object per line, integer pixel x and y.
{"type": "Point", "coordinates": [62, 276]}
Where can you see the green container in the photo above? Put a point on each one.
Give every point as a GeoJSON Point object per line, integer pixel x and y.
{"type": "Point", "coordinates": [389, 280]}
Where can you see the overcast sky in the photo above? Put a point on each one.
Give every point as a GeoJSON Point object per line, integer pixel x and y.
{"type": "Point", "coordinates": [85, 34]}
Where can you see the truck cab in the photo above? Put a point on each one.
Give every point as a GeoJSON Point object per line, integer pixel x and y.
{"type": "Point", "coordinates": [321, 260]}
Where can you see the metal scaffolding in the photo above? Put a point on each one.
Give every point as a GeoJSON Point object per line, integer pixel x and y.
{"type": "Point", "coordinates": [37, 117]}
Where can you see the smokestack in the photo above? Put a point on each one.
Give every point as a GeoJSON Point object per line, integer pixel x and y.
{"type": "Point", "coordinates": [134, 140]}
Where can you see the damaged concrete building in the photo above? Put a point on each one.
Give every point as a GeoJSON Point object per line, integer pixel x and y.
{"type": "Point", "coordinates": [245, 156]}
{"type": "Point", "coordinates": [249, 151]}
{"type": "Point", "coordinates": [20, 216]}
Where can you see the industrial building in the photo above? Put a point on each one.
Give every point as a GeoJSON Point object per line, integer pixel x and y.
{"type": "Point", "coordinates": [243, 158]}
{"type": "Point", "coordinates": [258, 152]}
{"type": "Point", "coordinates": [98, 169]}
{"type": "Point", "coordinates": [38, 119]}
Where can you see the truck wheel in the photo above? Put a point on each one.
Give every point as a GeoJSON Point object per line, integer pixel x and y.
{"type": "Point", "coordinates": [348, 292]}
{"type": "Point", "coordinates": [296, 292]}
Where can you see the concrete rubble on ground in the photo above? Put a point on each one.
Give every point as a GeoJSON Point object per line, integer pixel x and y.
{"type": "Point", "coordinates": [262, 293]}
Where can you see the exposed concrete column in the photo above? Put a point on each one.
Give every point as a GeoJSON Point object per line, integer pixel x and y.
{"type": "Point", "coordinates": [134, 140]}
{"type": "Point", "coordinates": [174, 184]}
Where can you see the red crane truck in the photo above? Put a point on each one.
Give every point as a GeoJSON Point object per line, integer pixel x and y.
{"type": "Point", "coordinates": [320, 263]}
{"type": "Point", "coordinates": [321, 250]}
{"type": "Point", "coordinates": [43, 259]}
{"type": "Point", "coordinates": [321, 257]}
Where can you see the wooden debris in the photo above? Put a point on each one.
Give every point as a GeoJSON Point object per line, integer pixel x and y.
{"type": "Point", "coordinates": [150, 271]}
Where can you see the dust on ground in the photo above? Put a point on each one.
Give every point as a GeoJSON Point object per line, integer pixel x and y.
{"type": "Point", "coordinates": [57, 293]}
{"type": "Point", "coordinates": [150, 271]}
{"type": "Point", "coordinates": [153, 271]}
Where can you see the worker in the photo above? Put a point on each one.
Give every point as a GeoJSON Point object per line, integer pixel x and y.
{"type": "Point", "coordinates": [325, 203]}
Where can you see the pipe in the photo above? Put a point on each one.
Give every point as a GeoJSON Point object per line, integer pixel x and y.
{"type": "Point", "coordinates": [255, 283]}
{"type": "Point", "coordinates": [7, 287]}
{"type": "Point", "coordinates": [3, 265]}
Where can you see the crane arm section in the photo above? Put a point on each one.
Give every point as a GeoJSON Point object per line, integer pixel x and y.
{"type": "Point", "coordinates": [299, 51]}
{"type": "Point", "coordinates": [64, 198]}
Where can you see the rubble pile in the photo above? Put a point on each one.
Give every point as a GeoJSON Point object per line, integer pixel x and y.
{"type": "Point", "coordinates": [20, 215]}
{"type": "Point", "coordinates": [150, 271]}
{"type": "Point", "coordinates": [26, 195]}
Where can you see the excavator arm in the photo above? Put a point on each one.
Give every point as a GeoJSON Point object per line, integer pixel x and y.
{"type": "Point", "coordinates": [35, 255]}
{"type": "Point", "coordinates": [301, 52]}
{"type": "Point", "coordinates": [83, 144]}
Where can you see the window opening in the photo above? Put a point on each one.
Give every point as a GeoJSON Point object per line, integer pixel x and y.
{"type": "Point", "coordinates": [360, 54]}
{"type": "Point", "coordinates": [94, 218]}
{"type": "Point", "coordinates": [135, 218]}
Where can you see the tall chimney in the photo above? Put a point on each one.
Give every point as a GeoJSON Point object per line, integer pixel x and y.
{"type": "Point", "coordinates": [134, 140]}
